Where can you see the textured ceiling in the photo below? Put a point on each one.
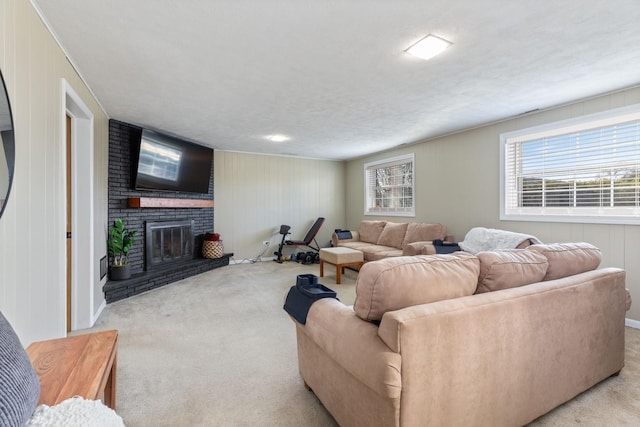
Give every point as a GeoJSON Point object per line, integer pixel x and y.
{"type": "Point", "coordinates": [332, 75]}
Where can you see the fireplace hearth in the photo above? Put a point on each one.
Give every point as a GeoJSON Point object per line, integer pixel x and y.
{"type": "Point", "coordinates": [148, 280]}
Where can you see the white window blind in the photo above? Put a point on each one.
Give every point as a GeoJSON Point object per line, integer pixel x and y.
{"type": "Point", "coordinates": [586, 170]}
{"type": "Point", "coordinates": [389, 187]}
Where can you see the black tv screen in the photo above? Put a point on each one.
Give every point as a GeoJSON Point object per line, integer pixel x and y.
{"type": "Point", "coordinates": [165, 163]}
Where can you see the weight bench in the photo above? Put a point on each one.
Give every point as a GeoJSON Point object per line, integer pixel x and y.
{"type": "Point", "coordinates": [307, 241]}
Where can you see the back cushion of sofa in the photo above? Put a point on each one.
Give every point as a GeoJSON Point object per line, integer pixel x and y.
{"type": "Point", "coordinates": [393, 234]}
{"type": "Point", "coordinates": [395, 283]}
{"type": "Point", "coordinates": [510, 269]}
{"type": "Point", "coordinates": [369, 231]}
{"type": "Point", "coordinates": [422, 232]}
{"type": "Point", "coordinates": [567, 259]}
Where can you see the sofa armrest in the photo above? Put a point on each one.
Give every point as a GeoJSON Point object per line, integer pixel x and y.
{"type": "Point", "coordinates": [355, 237]}
{"type": "Point", "coordinates": [416, 248]}
{"type": "Point", "coordinates": [354, 344]}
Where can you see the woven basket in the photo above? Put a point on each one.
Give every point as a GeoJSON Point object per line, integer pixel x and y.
{"type": "Point", "coordinates": [212, 249]}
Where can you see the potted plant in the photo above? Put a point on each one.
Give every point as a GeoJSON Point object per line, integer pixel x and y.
{"type": "Point", "coordinates": [212, 246]}
{"type": "Point", "coordinates": [119, 242]}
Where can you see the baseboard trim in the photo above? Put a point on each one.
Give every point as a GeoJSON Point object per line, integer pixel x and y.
{"type": "Point", "coordinates": [251, 261]}
{"type": "Point", "coordinates": [98, 312]}
{"type": "Point", "coordinates": [632, 323]}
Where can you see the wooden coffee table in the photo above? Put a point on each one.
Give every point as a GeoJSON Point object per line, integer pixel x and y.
{"type": "Point", "coordinates": [81, 365]}
{"type": "Point", "coordinates": [341, 258]}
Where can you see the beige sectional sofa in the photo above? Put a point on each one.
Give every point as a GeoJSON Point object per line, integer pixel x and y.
{"type": "Point", "coordinates": [382, 239]}
{"type": "Point", "coordinates": [493, 339]}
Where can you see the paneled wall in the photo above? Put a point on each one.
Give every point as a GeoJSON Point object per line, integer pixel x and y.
{"type": "Point", "coordinates": [32, 229]}
{"type": "Point", "coordinates": [458, 184]}
{"type": "Point", "coordinates": [255, 194]}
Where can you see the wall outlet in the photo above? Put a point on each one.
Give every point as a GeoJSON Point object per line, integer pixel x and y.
{"type": "Point", "coordinates": [265, 242]}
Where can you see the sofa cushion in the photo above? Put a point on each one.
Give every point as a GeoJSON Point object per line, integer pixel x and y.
{"type": "Point", "coordinates": [369, 231]}
{"type": "Point", "coordinates": [360, 246]}
{"type": "Point", "coordinates": [422, 232]}
{"type": "Point", "coordinates": [19, 383]}
{"type": "Point", "coordinates": [393, 234]}
{"type": "Point", "coordinates": [510, 269]}
{"type": "Point", "coordinates": [374, 253]}
{"type": "Point", "coordinates": [395, 283]}
{"type": "Point", "coordinates": [567, 259]}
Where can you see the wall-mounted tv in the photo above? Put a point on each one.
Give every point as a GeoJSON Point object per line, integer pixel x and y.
{"type": "Point", "coordinates": [164, 163]}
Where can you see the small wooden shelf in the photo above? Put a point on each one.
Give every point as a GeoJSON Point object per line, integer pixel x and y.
{"type": "Point", "coordinates": [158, 202]}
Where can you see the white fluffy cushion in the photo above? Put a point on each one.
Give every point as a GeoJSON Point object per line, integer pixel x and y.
{"type": "Point", "coordinates": [76, 412]}
{"type": "Point", "coordinates": [395, 283]}
{"type": "Point", "coordinates": [510, 269]}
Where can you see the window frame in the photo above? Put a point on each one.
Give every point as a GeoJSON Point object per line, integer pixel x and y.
{"type": "Point", "coordinates": [404, 158]}
{"type": "Point", "coordinates": [595, 215]}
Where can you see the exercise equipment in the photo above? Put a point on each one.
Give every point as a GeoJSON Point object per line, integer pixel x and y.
{"type": "Point", "coordinates": [309, 240]}
{"type": "Point", "coordinates": [308, 257]}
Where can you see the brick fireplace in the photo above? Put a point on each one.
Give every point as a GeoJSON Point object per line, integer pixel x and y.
{"type": "Point", "coordinates": [199, 219]}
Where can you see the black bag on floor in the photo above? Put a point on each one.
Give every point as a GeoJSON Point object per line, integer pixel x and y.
{"type": "Point", "coordinates": [301, 296]}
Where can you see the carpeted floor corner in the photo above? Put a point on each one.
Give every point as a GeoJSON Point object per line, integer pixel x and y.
{"type": "Point", "coordinates": [218, 350]}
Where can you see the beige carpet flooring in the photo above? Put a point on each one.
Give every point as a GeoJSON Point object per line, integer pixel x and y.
{"type": "Point", "coordinates": [218, 350]}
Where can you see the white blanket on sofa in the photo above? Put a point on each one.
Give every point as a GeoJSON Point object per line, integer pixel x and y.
{"type": "Point", "coordinates": [480, 239]}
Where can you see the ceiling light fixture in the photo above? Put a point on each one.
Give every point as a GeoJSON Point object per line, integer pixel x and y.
{"type": "Point", "coordinates": [428, 47]}
{"type": "Point", "coordinates": [278, 138]}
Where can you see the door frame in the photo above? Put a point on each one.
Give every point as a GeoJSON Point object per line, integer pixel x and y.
{"type": "Point", "coordinates": [82, 208]}
{"type": "Point", "coordinates": [68, 128]}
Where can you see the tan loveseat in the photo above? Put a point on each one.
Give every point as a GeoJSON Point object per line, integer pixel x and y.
{"type": "Point", "coordinates": [382, 239]}
{"type": "Point", "coordinates": [496, 339]}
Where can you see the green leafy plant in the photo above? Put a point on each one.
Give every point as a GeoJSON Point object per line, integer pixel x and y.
{"type": "Point", "coordinates": [119, 242]}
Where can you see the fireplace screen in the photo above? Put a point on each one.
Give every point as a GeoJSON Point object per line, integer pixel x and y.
{"type": "Point", "coordinates": [168, 242]}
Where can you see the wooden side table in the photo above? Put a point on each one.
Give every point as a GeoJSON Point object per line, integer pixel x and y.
{"type": "Point", "coordinates": [341, 258]}
{"type": "Point", "coordinates": [81, 365]}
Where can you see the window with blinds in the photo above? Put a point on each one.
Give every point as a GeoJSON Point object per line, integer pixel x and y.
{"type": "Point", "coordinates": [389, 187]}
{"type": "Point", "coordinates": [582, 170]}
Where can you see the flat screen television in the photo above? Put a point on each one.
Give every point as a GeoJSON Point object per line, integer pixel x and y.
{"type": "Point", "coordinates": [164, 163]}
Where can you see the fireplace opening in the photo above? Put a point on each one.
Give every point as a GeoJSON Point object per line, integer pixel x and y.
{"type": "Point", "coordinates": [168, 242]}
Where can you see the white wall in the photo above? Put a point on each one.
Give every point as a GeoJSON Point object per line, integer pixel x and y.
{"type": "Point", "coordinates": [458, 179]}
{"type": "Point", "coordinates": [254, 194]}
{"type": "Point", "coordinates": [32, 228]}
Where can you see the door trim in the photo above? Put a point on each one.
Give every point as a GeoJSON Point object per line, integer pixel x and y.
{"type": "Point", "coordinates": [83, 280]}
{"type": "Point", "coordinates": [68, 228]}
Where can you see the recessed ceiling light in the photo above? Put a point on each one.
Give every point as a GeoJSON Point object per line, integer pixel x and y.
{"type": "Point", "coordinates": [428, 47]}
{"type": "Point", "coordinates": [278, 138]}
